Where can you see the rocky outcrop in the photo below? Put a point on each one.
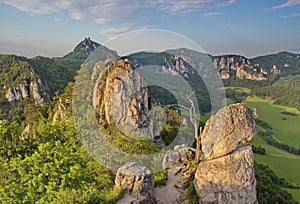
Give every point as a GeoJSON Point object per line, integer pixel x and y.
{"type": "Point", "coordinates": [231, 128]}
{"type": "Point", "coordinates": [275, 70]}
{"type": "Point", "coordinates": [181, 153]}
{"type": "Point", "coordinates": [121, 96]}
{"type": "Point", "coordinates": [226, 175]}
{"type": "Point", "coordinates": [138, 181]}
{"type": "Point", "coordinates": [252, 75]}
{"type": "Point", "coordinates": [26, 131]}
{"type": "Point", "coordinates": [34, 88]}
{"type": "Point", "coordinates": [175, 190]}
{"type": "Point", "coordinates": [87, 45]}
{"type": "Point", "coordinates": [228, 179]}
{"type": "Point", "coordinates": [244, 68]}
{"type": "Point", "coordinates": [62, 111]}
{"type": "Point", "coordinates": [225, 75]}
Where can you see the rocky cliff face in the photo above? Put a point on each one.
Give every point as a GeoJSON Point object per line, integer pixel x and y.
{"type": "Point", "coordinates": [226, 175]}
{"type": "Point", "coordinates": [34, 88]}
{"type": "Point", "coordinates": [244, 68]}
{"type": "Point", "coordinates": [121, 95]}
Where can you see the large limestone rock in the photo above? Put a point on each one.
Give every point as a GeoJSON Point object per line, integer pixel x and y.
{"type": "Point", "coordinates": [121, 95]}
{"type": "Point", "coordinates": [228, 179]}
{"type": "Point", "coordinates": [231, 128]}
{"type": "Point", "coordinates": [242, 74]}
{"type": "Point", "coordinates": [34, 88]}
{"type": "Point", "coordinates": [138, 181]}
{"type": "Point", "coordinates": [226, 175]}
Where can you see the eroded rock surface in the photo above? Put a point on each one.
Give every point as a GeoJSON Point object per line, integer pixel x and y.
{"type": "Point", "coordinates": [231, 128]}
{"type": "Point", "coordinates": [180, 154]}
{"type": "Point", "coordinates": [226, 175]}
{"type": "Point", "coordinates": [33, 88]}
{"type": "Point", "coordinates": [138, 181]}
{"type": "Point", "coordinates": [228, 179]}
{"type": "Point", "coordinates": [121, 95]}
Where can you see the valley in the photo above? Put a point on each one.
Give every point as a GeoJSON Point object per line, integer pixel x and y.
{"type": "Point", "coordinates": [33, 129]}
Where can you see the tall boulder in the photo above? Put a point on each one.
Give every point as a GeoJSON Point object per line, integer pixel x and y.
{"type": "Point", "coordinates": [121, 96]}
{"type": "Point", "coordinates": [231, 128]}
{"type": "Point", "coordinates": [226, 175]}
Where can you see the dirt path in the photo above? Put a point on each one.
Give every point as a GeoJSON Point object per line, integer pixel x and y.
{"type": "Point", "coordinates": [173, 192]}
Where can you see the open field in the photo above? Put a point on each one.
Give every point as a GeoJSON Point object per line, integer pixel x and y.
{"type": "Point", "coordinates": [284, 164]}
{"type": "Point", "coordinates": [295, 193]}
{"type": "Point", "coordinates": [286, 128]}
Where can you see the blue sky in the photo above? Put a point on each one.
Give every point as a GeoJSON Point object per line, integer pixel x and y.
{"type": "Point", "coordinates": [247, 27]}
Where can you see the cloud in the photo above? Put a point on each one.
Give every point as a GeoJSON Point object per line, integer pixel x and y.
{"type": "Point", "coordinates": [211, 14]}
{"type": "Point", "coordinates": [124, 28]}
{"type": "Point", "coordinates": [112, 31]}
{"type": "Point", "coordinates": [179, 6]}
{"type": "Point", "coordinates": [289, 3]}
{"type": "Point", "coordinates": [103, 11]}
{"type": "Point", "coordinates": [292, 15]}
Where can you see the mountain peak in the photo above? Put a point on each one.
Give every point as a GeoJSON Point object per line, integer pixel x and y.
{"type": "Point", "coordinates": [86, 45]}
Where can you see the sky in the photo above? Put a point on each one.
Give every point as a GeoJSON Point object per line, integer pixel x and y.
{"type": "Point", "coordinates": [247, 27]}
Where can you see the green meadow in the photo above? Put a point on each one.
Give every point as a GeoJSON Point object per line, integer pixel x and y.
{"type": "Point", "coordinates": [295, 193]}
{"type": "Point", "coordinates": [284, 164]}
{"type": "Point", "coordinates": [286, 128]}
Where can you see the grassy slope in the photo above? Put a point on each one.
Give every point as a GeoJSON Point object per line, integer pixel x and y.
{"type": "Point", "coordinates": [295, 193]}
{"type": "Point", "coordinates": [284, 164]}
{"type": "Point", "coordinates": [286, 131]}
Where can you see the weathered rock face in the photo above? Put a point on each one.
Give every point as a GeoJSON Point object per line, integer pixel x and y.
{"type": "Point", "coordinates": [228, 179]}
{"type": "Point", "coordinates": [138, 181]}
{"type": "Point", "coordinates": [227, 173]}
{"type": "Point", "coordinates": [180, 154]}
{"type": "Point", "coordinates": [121, 95]}
{"type": "Point", "coordinates": [36, 89]}
{"type": "Point", "coordinates": [243, 74]}
{"type": "Point", "coordinates": [231, 128]}
{"type": "Point", "coordinates": [245, 68]}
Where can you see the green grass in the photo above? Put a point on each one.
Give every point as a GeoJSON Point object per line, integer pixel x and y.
{"type": "Point", "coordinates": [205, 117]}
{"type": "Point", "coordinates": [284, 164]}
{"type": "Point", "coordinates": [240, 89]}
{"type": "Point", "coordinates": [160, 178]}
{"type": "Point", "coordinates": [286, 131]}
{"type": "Point", "coordinates": [294, 192]}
